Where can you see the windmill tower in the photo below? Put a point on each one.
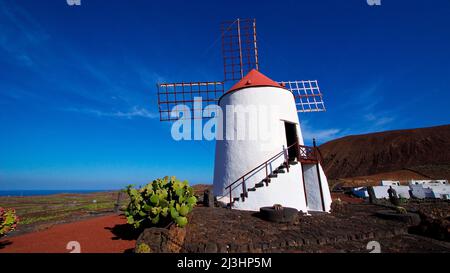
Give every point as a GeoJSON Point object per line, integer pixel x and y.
{"type": "Point", "coordinates": [250, 173]}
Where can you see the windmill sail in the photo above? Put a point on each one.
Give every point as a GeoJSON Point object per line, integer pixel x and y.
{"type": "Point", "coordinates": [239, 48]}
{"type": "Point", "coordinates": [308, 97]}
{"type": "Point", "coordinates": [240, 56]}
{"type": "Point", "coordinates": [194, 95]}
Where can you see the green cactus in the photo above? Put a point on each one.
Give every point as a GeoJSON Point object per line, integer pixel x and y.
{"type": "Point", "coordinates": [184, 210]}
{"type": "Point", "coordinates": [174, 213]}
{"type": "Point", "coordinates": [143, 248]}
{"type": "Point", "coordinates": [8, 221]}
{"type": "Point", "coordinates": [160, 202]}
{"type": "Point", "coordinates": [181, 221]}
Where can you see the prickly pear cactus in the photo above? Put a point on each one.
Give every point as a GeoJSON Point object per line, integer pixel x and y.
{"type": "Point", "coordinates": [160, 202]}
{"type": "Point", "coordinates": [143, 248]}
{"type": "Point", "coordinates": [8, 221]}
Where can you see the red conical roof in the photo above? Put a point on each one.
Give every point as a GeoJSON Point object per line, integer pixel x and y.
{"type": "Point", "coordinates": [252, 79]}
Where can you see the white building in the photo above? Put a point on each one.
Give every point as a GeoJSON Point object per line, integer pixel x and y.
{"type": "Point", "coordinates": [428, 182]}
{"type": "Point", "coordinates": [382, 191]}
{"type": "Point", "coordinates": [430, 189]}
{"type": "Point", "coordinates": [420, 189]}
{"type": "Point", "coordinates": [249, 172]}
{"type": "Point", "coordinates": [420, 192]}
{"type": "Point", "coordinates": [390, 183]}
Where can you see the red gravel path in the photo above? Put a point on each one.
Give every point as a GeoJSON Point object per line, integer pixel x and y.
{"type": "Point", "coordinates": [107, 234]}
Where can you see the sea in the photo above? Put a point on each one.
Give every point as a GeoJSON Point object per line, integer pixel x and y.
{"type": "Point", "coordinates": [45, 192]}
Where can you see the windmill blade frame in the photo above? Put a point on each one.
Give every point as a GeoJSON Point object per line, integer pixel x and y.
{"type": "Point", "coordinates": [239, 48]}
{"type": "Point", "coordinates": [307, 94]}
{"type": "Point", "coordinates": [175, 96]}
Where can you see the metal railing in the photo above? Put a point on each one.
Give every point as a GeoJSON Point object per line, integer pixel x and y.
{"type": "Point", "coordinates": [305, 154]}
{"type": "Point", "coordinates": [262, 166]}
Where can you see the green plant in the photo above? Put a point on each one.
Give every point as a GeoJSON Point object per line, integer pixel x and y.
{"type": "Point", "coordinates": [402, 200]}
{"type": "Point", "coordinates": [401, 210]}
{"type": "Point", "coordinates": [143, 248]}
{"type": "Point", "coordinates": [8, 221]}
{"type": "Point", "coordinates": [160, 202]}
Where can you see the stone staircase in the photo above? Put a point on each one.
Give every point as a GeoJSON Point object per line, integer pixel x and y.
{"type": "Point", "coordinates": [265, 182]}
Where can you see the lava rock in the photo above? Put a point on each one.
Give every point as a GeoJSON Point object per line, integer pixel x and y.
{"type": "Point", "coordinates": [412, 219]}
{"type": "Point", "coordinates": [162, 240]}
{"type": "Point", "coordinates": [208, 198]}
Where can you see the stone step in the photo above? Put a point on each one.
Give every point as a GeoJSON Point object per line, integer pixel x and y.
{"type": "Point", "coordinates": [282, 167]}
{"type": "Point", "coordinates": [273, 175]}
{"type": "Point", "coordinates": [252, 189]}
{"type": "Point", "coordinates": [293, 162]}
{"type": "Point", "coordinates": [259, 185]}
{"type": "Point", "coordinates": [244, 194]}
{"type": "Point", "coordinates": [236, 199]}
{"type": "Point", "coordinates": [266, 180]}
{"type": "Point", "coordinates": [279, 171]}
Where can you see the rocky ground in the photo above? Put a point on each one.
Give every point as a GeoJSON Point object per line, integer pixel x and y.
{"type": "Point", "coordinates": [435, 219]}
{"type": "Point", "coordinates": [349, 229]}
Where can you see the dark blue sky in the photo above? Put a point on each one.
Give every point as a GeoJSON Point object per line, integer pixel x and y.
{"type": "Point", "coordinates": [77, 84]}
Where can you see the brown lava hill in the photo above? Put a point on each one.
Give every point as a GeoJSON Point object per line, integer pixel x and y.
{"type": "Point", "coordinates": [425, 151]}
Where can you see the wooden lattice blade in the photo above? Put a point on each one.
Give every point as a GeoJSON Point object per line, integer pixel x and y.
{"type": "Point", "coordinates": [239, 48]}
{"type": "Point", "coordinates": [185, 97]}
{"type": "Point", "coordinates": [307, 94]}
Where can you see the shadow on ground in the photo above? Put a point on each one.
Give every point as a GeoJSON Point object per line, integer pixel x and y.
{"type": "Point", "coordinates": [3, 244]}
{"type": "Point", "coordinates": [257, 215]}
{"type": "Point", "coordinates": [124, 232]}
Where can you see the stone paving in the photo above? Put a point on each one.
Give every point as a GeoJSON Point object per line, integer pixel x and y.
{"type": "Point", "coordinates": [223, 230]}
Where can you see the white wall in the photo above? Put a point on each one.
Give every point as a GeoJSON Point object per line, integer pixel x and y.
{"type": "Point", "coordinates": [314, 198]}
{"type": "Point", "coordinates": [326, 189]}
{"type": "Point", "coordinates": [236, 157]}
{"type": "Point", "coordinates": [312, 187]}
{"type": "Point", "coordinates": [418, 191]}
{"type": "Point", "coordinates": [438, 190]}
{"type": "Point", "coordinates": [426, 182]}
{"type": "Point", "coordinates": [285, 190]}
{"type": "Point", "coordinates": [382, 191]}
{"type": "Point", "coordinates": [390, 183]}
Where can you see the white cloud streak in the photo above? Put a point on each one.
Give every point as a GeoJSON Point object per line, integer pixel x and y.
{"type": "Point", "coordinates": [135, 112]}
{"type": "Point", "coordinates": [321, 135]}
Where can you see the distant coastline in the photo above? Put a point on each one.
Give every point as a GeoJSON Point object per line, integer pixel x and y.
{"type": "Point", "coordinates": [46, 192]}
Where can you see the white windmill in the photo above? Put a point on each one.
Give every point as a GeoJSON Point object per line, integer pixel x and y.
{"type": "Point", "coordinates": [252, 173]}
